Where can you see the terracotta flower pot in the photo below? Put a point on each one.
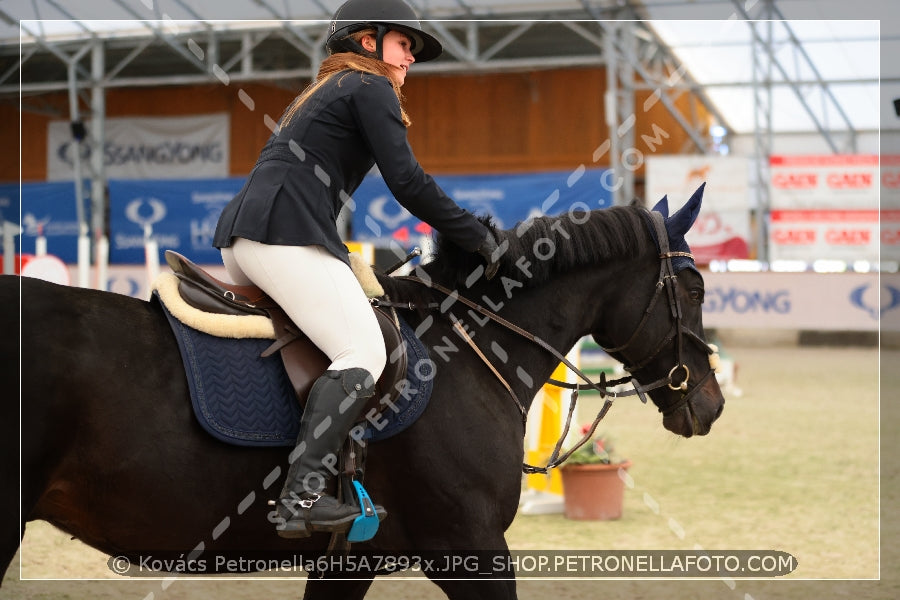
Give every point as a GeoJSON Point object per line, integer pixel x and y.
{"type": "Point", "coordinates": [593, 492]}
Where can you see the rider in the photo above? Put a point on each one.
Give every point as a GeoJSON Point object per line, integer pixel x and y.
{"type": "Point", "coordinates": [279, 232]}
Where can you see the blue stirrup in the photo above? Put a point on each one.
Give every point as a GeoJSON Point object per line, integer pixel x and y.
{"type": "Point", "coordinates": [364, 526]}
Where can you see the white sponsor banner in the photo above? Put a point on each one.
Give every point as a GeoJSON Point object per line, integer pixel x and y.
{"type": "Point", "coordinates": [841, 181]}
{"type": "Point", "coordinates": [722, 230]}
{"type": "Point", "coordinates": [812, 301]}
{"type": "Point", "coordinates": [890, 207]}
{"type": "Point", "coordinates": [832, 234]}
{"type": "Point", "coordinates": [193, 147]}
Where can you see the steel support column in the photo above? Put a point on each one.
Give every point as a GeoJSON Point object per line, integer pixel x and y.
{"type": "Point", "coordinates": [99, 207]}
{"type": "Point", "coordinates": [620, 117]}
{"type": "Point", "coordinates": [84, 245]}
{"type": "Point", "coordinates": [762, 133]}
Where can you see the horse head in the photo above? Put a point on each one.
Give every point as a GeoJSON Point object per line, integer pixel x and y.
{"type": "Point", "coordinates": [662, 343]}
{"type": "Point", "coordinates": [643, 309]}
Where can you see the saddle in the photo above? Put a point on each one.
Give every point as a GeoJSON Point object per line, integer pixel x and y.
{"type": "Point", "coordinates": [303, 361]}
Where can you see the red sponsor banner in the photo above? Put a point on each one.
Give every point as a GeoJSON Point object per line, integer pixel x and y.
{"type": "Point", "coordinates": [824, 181]}
{"type": "Point", "coordinates": [824, 216]}
{"type": "Point", "coordinates": [825, 207]}
{"type": "Point", "coordinates": [890, 177]}
{"type": "Point", "coordinates": [890, 207]}
{"type": "Point", "coordinates": [828, 160]}
{"type": "Point", "coordinates": [890, 235]}
{"type": "Point", "coordinates": [810, 235]}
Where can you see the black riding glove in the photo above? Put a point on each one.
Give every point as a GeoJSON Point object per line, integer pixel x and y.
{"type": "Point", "coordinates": [489, 250]}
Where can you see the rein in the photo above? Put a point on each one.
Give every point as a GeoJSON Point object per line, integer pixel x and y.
{"type": "Point", "coordinates": [460, 329]}
{"type": "Point", "coordinates": [667, 282]}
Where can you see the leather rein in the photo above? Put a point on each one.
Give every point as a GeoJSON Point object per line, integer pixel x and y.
{"type": "Point", "coordinates": [666, 285]}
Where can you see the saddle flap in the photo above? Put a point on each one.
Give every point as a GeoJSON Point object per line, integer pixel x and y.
{"type": "Point", "coordinates": [395, 368]}
{"type": "Point", "coordinates": [304, 362]}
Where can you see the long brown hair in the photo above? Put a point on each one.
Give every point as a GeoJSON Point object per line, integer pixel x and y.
{"type": "Point", "coordinates": [343, 61]}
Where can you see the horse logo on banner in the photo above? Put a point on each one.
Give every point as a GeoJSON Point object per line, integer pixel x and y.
{"type": "Point", "coordinates": [889, 292]}
{"type": "Point", "coordinates": [135, 213]}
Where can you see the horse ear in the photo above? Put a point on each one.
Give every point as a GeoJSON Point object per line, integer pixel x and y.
{"type": "Point", "coordinates": [662, 207]}
{"type": "Point", "coordinates": [680, 223]}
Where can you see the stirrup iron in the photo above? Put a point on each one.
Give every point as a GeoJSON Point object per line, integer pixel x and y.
{"type": "Point", "coordinates": [364, 526]}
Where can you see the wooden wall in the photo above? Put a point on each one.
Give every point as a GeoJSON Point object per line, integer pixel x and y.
{"type": "Point", "coordinates": [493, 123]}
{"type": "Point", "coordinates": [514, 122]}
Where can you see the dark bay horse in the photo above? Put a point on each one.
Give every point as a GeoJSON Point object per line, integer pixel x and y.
{"type": "Point", "coordinates": [112, 454]}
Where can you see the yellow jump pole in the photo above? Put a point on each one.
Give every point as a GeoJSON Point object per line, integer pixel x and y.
{"type": "Point", "coordinates": [549, 430]}
{"type": "Point", "coordinates": [543, 493]}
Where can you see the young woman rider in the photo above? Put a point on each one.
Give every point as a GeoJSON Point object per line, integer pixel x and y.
{"type": "Point", "coordinates": [279, 232]}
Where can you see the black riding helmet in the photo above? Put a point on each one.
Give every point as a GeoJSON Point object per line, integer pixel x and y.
{"type": "Point", "coordinates": [383, 16]}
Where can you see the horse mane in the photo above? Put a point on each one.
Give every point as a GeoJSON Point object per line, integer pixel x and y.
{"type": "Point", "coordinates": [552, 246]}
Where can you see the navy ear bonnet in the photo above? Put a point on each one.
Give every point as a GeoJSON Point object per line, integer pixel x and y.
{"type": "Point", "coordinates": [678, 225]}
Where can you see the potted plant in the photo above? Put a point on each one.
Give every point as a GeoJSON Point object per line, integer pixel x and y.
{"type": "Point", "coordinates": [593, 486]}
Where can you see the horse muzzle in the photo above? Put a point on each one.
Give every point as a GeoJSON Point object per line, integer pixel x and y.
{"type": "Point", "coordinates": [697, 409]}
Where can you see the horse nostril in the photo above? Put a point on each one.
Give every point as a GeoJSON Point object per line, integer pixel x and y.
{"type": "Point", "coordinates": [719, 411]}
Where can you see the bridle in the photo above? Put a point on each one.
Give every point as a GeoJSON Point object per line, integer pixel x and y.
{"type": "Point", "coordinates": [666, 286]}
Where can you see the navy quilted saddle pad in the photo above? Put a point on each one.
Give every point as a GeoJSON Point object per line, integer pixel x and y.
{"type": "Point", "coordinates": [244, 399]}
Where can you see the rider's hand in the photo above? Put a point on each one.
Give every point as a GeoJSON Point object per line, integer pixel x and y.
{"type": "Point", "coordinates": [489, 250]}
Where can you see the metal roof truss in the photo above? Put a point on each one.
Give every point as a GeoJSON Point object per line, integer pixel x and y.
{"type": "Point", "coordinates": [288, 52]}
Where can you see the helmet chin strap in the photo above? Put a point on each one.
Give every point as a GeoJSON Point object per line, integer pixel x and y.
{"type": "Point", "coordinates": [380, 32]}
{"type": "Point", "coordinates": [379, 41]}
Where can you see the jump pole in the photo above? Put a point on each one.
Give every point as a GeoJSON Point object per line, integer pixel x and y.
{"type": "Point", "coordinates": [40, 242]}
{"type": "Point", "coordinates": [544, 493]}
{"type": "Point", "coordinates": [101, 250]}
{"type": "Point", "coordinates": [151, 256]}
{"type": "Point", "coordinates": [10, 231]}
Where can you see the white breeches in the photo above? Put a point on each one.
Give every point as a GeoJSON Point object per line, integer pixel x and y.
{"type": "Point", "coordinates": [319, 293]}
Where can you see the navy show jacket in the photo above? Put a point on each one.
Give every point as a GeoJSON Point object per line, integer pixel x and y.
{"type": "Point", "coordinates": [311, 166]}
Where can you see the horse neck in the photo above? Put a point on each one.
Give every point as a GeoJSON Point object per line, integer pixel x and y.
{"type": "Point", "coordinates": [559, 313]}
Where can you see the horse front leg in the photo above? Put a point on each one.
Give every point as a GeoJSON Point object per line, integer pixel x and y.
{"type": "Point", "coordinates": [494, 580]}
{"type": "Point", "coordinates": [11, 539]}
{"type": "Point", "coordinates": [325, 588]}
{"type": "Point", "coordinates": [13, 520]}
{"type": "Point", "coordinates": [475, 590]}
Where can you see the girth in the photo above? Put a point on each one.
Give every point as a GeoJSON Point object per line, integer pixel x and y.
{"type": "Point", "coordinates": [303, 361]}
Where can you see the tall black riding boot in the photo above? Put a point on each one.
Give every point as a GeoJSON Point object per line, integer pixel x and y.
{"type": "Point", "coordinates": [335, 402]}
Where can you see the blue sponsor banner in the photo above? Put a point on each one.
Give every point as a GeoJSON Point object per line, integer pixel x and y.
{"type": "Point", "coordinates": [181, 213]}
{"type": "Point", "coordinates": [47, 209]}
{"type": "Point", "coordinates": [379, 218]}
{"type": "Point", "coordinates": [9, 202]}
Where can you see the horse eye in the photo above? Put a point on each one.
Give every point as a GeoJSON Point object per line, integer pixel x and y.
{"type": "Point", "coordinates": [697, 296]}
